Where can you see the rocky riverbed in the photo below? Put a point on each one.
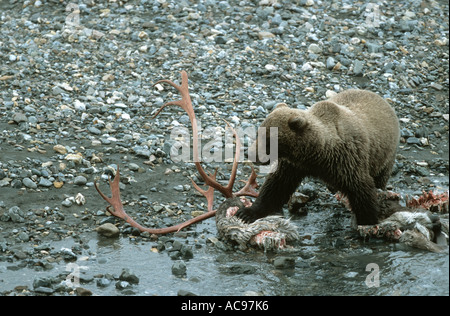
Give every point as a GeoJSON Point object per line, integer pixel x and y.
{"type": "Point", "coordinates": [76, 100]}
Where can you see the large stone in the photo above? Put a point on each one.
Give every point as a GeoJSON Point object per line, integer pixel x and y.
{"type": "Point", "coordinates": [108, 230]}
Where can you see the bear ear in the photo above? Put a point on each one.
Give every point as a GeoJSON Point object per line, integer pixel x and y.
{"type": "Point", "coordinates": [327, 109]}
{"type": "Point", "coordinates": [297, 123]}
{"type": "Point", "coordinates": [281, 105]}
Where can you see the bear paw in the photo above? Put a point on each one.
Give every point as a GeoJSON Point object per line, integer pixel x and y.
{"type": "Point", "coordinates": [249, 214]}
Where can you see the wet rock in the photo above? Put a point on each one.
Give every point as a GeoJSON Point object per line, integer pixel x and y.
{"type": "Point", "coordinates": [103, 282]}
{"type": "Point", "coordinates": [44, 290]}
{"type": "Point", "coordinates": [15, 214]}
{"type": "Point", "coordinates": [122, 285]}
{"type": "Point", "coordinates": [67, 203]}
{"type": "Point", "coordinates": [284, 263]}
{"type": "Point", "coordinates": [315, 49]}
{"type": "Point", "coordinates": [186, 252]}
{"type": "Point", "coordinates": [94, 130]}
{"type": "Point", "coordinates": [127, 275]}
{"type": "Point", "coordinates": [331, 62]}
{"type": "Point", "coordinates": [413, 141]}
{"type": "Point", "coordinates": [42, 282]}
{"type": "Point", "coordinates": [80, 291]}
{"type": "Point", "coordinates": [23, 236]}
{"type": "Point", "coordinates": [240, 269]}
{"type": "Point", "coordinates": [185, 293]}
{"type": "Point", "coordinates": [179, 188]}
{"type": "Point", "coordinates": [108, 230]}
{"type": "Point", "coordinates": [179, 269]}
{"type": "Point", "coordinates": [68, 254]}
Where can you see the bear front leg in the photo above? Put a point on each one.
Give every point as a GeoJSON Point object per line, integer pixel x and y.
{"type": "Point", "coordinates": [275, 192]}
{"type": "Point", "coordinates": [363, 202]}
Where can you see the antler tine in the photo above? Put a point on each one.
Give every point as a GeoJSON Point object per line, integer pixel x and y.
{"type": "Point", "coordinates": [208, 194]}
{"type": "Point", "coordinates": [186, 104]}
{"type": "Point", "coordinates": [229, 187]}
{"type": "Point", "coordinates": [118, 211]}
{"type": "Point", "coordinates": [250, 186]}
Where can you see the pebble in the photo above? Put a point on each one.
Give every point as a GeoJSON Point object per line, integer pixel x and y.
{"type": "Point", "coordinates": [68, 254]}
{"type": "Point", "coordinates": [80, 291]}
{"type": "Point", "coordinates": [358, 66]}
{"type": "Point", "coordinates": [45, 183]}
{"type": "Point", "coordinates": [19, 117]}
{"type": "Point", "coordinates": [179, 188]}
{"type": "Point", "coordinates": [128, 276]}
{"type": "Point", "coordinates": [103, 282]}
{"type": "Point", "coordinates": [331, 62]}
{"type": "Point", "coordinates": [314, 48]}
{"type": "Point", "coordinates": [241, 268]}
{"type": "Point", "coordinates": [284, 262]}
{"type": "Point", "coordinates": [122, 285]}
{"type": "Point", "coordinates": [60, 149]}
{"type": "Point", "coordinates": [179, 268]}
{"type": "Point", "coordinates": [80, 180]}
{"type": "Point", "coordinates": [108, 230]}
{"type": "Point", "coordinates": [29, 183]}
{"type": "Point", "coordinates": [436, 86]}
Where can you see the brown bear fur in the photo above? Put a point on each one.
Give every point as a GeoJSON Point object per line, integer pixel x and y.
{"type": "Point", "coordinates": [348, 141]}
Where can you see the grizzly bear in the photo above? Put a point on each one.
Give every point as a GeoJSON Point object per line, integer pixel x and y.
{"type": "Point", "coordinates": [348, 141]}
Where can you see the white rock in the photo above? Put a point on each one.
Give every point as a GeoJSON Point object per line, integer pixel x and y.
{"type": "Point", "coordinates": [270, 67]}
{"type": "Point", "coordinates": [79, 106]}
{"type": "Point", "coordinates": [330, 93]}
{"type": "Point", "coordinates": [314, 48]}
{"type": "Point", "coordinates": [307, 67]}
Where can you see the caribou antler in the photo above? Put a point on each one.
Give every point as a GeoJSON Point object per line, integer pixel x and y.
{"type": "Point", "coordinates": [186, 104]}
{"type": "Point", "coordinates": [119, 211]}
{"type": "Point", "coordinates": [210, 180]}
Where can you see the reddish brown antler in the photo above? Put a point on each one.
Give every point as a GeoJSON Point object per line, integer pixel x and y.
{"type": "Point", "coordinates": [210, 180]}
{"type": "Point", "coordinates": [186, 104]}
{"type": "Point", "coordinates": [119, 211]}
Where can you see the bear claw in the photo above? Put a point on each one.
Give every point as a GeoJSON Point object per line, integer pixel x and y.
{"type": "Point", "coordinates": [250, 214]}
{"type": "Point", "coordinates": [246, 214]}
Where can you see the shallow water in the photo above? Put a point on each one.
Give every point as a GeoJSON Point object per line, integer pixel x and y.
{"type": "Point", "coordinates": [323, 266]}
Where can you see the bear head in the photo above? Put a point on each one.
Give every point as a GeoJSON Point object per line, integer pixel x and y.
{"type": "Point", "coordinates": [279, 135]}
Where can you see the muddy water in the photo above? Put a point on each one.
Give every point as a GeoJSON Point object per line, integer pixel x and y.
{"type": "Point", "coordinates": [329, 261]}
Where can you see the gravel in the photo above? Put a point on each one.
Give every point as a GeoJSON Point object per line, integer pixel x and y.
{"type": "Point", "coordinates": [76, 100]}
